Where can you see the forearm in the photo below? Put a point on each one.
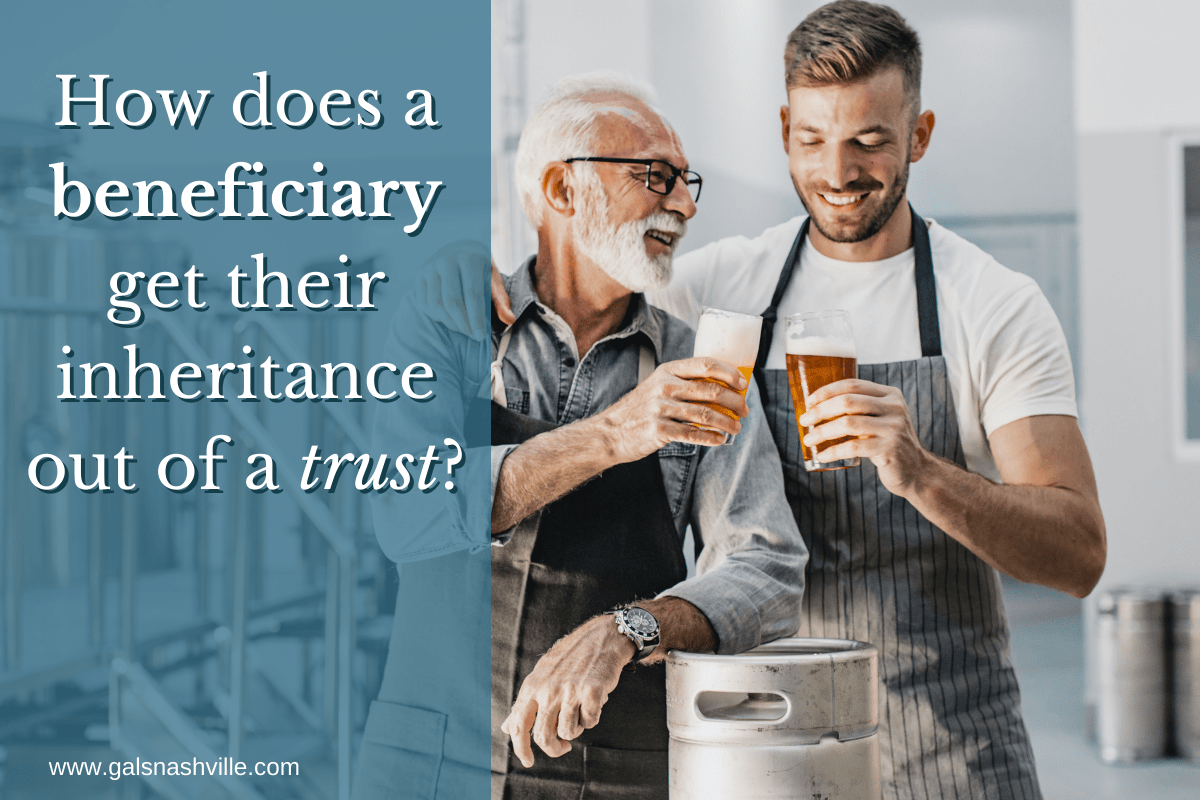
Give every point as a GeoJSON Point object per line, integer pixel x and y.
{"type": "Point", "coordinates": [1049, 535]}
{"type": "Point", "coordinates": [666, 407]}
{"type": "Point", "coordinates": [749, 577]}
{"type": "Point", "coordinates": [565, 692]}
{"type": "Point", "coordinates": [547, 467]}
{"type": "Point", "coordinates": [681, 625]}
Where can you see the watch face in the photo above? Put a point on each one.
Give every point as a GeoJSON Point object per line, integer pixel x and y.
{"type": "Point", "coordinates": [641, 621]}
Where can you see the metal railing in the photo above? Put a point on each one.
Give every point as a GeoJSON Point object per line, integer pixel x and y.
{"type": "Point", "coordinates": [340, 577]}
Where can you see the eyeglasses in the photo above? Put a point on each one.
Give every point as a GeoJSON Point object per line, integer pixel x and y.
{"type": "Point", "coordinates": [660, 175]}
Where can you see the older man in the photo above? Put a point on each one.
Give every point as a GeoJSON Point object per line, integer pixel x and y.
{"type": "Point", "coordinates": [603, 455]}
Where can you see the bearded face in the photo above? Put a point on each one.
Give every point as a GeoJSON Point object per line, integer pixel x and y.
{"type": "Point", "coordinates": [849, 148]}
{"type": "Point", "coordinates": [857, 211]}
{"type": "Point", "coordinates": [621, 250]}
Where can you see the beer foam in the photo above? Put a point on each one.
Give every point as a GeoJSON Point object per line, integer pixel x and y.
{"type": "Point", "coordinates": [820, 346]}
{"type": "Point", "coordinates": [732, 339]}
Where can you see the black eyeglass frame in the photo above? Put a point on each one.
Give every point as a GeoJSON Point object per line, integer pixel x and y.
{"type": "Point", "coordinates": [676, 173]}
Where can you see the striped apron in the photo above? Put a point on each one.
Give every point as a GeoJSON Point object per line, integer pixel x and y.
{"type": "Point", "coordinates": [609, 542]}
{"type": "Point", "coordinates": [880, 572]}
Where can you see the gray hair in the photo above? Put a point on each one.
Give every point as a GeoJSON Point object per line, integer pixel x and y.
{"type": "Point", "coordinates": [563, 126]}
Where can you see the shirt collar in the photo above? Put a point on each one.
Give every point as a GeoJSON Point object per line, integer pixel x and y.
{"type": "Point", "coordinates": [523, 297]}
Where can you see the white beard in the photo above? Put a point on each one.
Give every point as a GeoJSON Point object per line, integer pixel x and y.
{"type": "Point", "coordinates": [620, 250]}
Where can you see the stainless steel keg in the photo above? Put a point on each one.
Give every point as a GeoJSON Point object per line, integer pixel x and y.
{"type": "Point", "coordinates": [796, 718]}
{"type": "Point", "coordinates": [1131, 674]}
{"type": "Point", "coordinates": [1185, 613]}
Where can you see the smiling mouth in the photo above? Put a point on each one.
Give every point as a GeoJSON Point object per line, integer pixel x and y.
{"type": "Point", "coordinates": [667, 239]}
{"type": "Point", "coordinates": [843, 200]}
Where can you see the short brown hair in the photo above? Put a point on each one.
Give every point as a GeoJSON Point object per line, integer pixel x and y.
{"type": "Point", "coordinates": [849, 40]}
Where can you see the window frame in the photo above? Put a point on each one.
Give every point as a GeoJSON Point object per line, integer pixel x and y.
{"type": "Point", "coordinates": [1185, 449]}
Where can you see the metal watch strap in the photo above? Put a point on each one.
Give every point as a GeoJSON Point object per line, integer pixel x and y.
{"type": "Point", "coordinates": [641, 650]}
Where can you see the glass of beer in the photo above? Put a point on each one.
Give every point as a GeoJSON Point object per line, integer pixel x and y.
{"type": "Point", "coordinates": [730, 337]}
{"type": "Point", "coordinates": [820, 350]}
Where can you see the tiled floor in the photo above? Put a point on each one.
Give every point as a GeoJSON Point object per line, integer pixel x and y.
{"type": "Point", "coordinates": [1047, 642]}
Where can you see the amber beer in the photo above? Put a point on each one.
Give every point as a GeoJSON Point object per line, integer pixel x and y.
{"type": "Point", "coordinates": [820, 351]}
{"type": "Point", "coordinates": [730, 337]}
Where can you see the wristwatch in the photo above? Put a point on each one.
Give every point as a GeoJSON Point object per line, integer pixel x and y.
{"type": "Point", "coordinates": [641, 627]}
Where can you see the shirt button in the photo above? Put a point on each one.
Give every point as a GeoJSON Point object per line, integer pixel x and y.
{"type": "Point", "coordinates": [569, 362]}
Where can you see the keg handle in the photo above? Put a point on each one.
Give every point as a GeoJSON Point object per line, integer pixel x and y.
{"type": "Point", "coordinates": [757, 707]}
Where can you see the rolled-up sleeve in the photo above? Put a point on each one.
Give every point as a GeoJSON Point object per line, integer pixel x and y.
{"type": "Point", "coordinates": [499, 453]}
{"type": "Point", "coordinates": [750, 574]}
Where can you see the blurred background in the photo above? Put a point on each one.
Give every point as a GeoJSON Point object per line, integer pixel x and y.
{"type": "Point", "coordinates": [1066, 147]}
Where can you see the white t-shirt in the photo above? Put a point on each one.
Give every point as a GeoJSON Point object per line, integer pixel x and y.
{"type": "Point", "coordinates": [1005, 351]}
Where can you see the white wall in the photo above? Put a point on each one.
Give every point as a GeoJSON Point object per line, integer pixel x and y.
{"type": "Point", "coordinates": [569, 36]}
{"type": "Point", "coordinates": [1126, 299]}
{"type": "Point", "coordinates": [1136, 65]}
{"type": "Point", "coordinates": [997, 76]}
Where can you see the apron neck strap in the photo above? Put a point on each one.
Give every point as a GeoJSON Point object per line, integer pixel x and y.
{"type": "Point", "coordinates": [646, 365]}
{"type": "Point", "coordinates": [771, 314]}
{"type": "Point", "coordinates": [499, 395]}
{"type": "Point", "coordinates": [927, 314]}
{"type": "Point", "coordinates": [646, 362]}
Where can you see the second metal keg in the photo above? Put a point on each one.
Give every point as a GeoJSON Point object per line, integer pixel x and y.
{"type": "Point", "coordinates": [790, 720]}
{"type": "Point", "coordinates": [1131, 671]}
{"type": "Point", "coordinates": [1185, 629]}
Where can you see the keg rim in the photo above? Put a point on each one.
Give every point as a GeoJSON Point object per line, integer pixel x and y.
{"type": "Point", "coordinates": [1186, 604]}
{"type": "Point", "coordinates": [793, 648]}
{"type": "Point", "coordinates": [1133, 602]}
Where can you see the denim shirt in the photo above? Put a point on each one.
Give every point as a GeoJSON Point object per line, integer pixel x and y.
{"type": "Point", "coordinates": [750, 573]}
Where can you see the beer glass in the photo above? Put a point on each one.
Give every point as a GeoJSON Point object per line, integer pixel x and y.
{"type": "Point", "coordinates": [730, 337]}
{"type": "Point", "coordinates": [820, 350]}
